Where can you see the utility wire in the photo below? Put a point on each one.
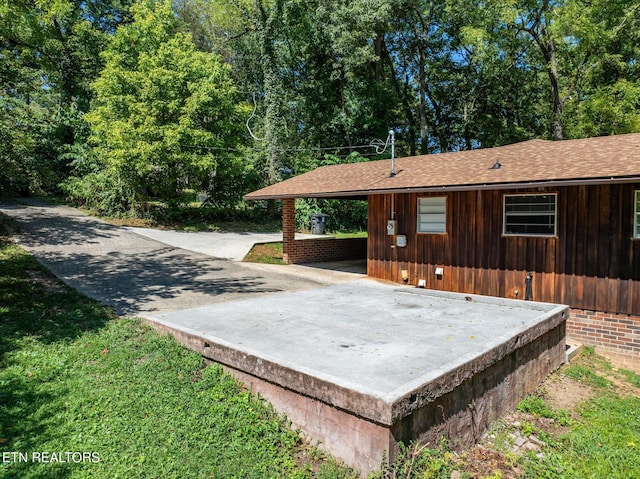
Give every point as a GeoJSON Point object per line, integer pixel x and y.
{"type": "Point", "coordinates": [379, 145]}
{"type": "Point", "coordinates": [255, 108]}
{"type": "Point", "coordinates": [329, 148]}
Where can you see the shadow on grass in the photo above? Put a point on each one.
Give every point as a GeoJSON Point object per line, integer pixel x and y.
{"type": "Point", "coordinates": [74, 378]}
{"type": "Point", "coordinates": [35, 303]}
{"type": "Point", "coordinates": [35, 308]}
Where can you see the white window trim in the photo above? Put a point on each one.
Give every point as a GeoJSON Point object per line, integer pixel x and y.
{"type": "Point", "coordinates": [418, 216]}
{"type": "Point", "coordinates": [532, 235]}
{"type": "Point", "coordinates": [636, 212]}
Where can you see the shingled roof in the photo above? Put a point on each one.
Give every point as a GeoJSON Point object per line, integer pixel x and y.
{"type": "Point", "coordinates": [607, 159]}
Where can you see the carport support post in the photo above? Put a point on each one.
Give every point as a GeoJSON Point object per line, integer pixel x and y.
{"type": "Point", "coordinates": [288, 229]}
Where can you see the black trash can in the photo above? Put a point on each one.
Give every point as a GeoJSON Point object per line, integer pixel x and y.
{"type": "Point", "coordinates": [318, 223]}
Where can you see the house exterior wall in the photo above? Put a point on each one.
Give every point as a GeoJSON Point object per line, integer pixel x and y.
{"type": "Point", "coordinates": [592, 264]}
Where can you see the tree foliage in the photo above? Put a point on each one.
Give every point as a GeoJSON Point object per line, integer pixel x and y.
{"type": "Point", "coordinates": [163, 88]}
{"type": "Point", "coordinates": [49, 53]}
{"type": "Point", "coordinates": [163, 112]}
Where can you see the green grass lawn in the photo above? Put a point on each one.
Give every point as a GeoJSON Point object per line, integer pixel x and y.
{"type": "Point", "coordinates": [603, 439]}
{"type": "Point", "coordinates": [75, 379]}
{"type": "Point", "coordinates": [268, 253]}
{"type": "Point", "coordinates": [78, 384]}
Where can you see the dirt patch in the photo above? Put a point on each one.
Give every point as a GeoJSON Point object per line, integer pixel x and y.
{"type": "Point", "coordinates": [622, 386]}
{"type": "Point", "coordinates": [562, 392]}
{"type": "Point", "coordinates": [481, 462]}
{"type": "Point", "coordinates": [518, 433]}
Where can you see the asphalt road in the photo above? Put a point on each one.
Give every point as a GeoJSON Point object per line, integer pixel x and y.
{"type": "Point", "coordinates": [137, 275]}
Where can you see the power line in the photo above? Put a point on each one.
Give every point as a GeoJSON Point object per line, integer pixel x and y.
{"type": "Point", "coordinates": [328, 148]}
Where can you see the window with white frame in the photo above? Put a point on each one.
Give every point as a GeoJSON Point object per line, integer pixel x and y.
{"type": "Point", "coordinates": [432, 214]}
{"type": "Point", "coordinates": [530, 215]}
{"type": "Point", "coordinates": [636, 216]}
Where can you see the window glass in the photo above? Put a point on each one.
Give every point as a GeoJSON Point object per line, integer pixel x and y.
{"type": "Point", "coordinates": [432, 215]}
{"type": "Point", "coordinates": [530, 215]}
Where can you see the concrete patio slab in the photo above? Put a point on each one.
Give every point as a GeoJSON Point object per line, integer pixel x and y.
{"type": "Point", "coordinates": [357, 366]}
{"type": "Point", "coordinates": [370, 355]}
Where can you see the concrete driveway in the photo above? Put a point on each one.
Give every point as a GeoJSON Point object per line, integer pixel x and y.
{"type": "Point", "coordinates": [233, 246]}
{"type": "Point", "coordinates": [137, 275]}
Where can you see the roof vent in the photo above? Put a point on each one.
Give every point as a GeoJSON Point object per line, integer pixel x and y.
{"type": "Point", "coordinates": [496, 166]}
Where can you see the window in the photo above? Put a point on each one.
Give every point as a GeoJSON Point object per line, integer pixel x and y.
{"type": "Point", "coordinates": [530, 215]}
{"type": "Point", "coordinates": [636, 216]}
{"type": "Point", "coordinates": [432, 215]}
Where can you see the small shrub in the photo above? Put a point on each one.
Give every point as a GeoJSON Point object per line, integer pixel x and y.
{"type": "Point", "coordinates": [418, 461]}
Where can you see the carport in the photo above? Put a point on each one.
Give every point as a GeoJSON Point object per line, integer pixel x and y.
{"type": "Point", "coordinates": [316, 185]}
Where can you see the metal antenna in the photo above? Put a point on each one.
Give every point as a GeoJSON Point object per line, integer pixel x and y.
{"type": "Point", "coordinates": [392, 134]}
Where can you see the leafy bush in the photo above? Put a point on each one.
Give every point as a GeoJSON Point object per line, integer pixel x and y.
{"type": "Point", "coordinates": [102, 192]}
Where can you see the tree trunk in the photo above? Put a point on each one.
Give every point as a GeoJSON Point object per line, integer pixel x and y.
{"type": "Point", "coordinates": [424, 142]}
{"type": "Point", "coordinates": [555, 92]}
{"type": "Point", "coordinates": [272, 86]}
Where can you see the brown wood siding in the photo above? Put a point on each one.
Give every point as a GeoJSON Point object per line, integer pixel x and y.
{"type": "Point", "coordinates": [593, 263]}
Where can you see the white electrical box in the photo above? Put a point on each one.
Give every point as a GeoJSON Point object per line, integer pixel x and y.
{"type": "Point", "coordinates": [392, 225]}
{"type": "Point", "coordinates": [401, 241]}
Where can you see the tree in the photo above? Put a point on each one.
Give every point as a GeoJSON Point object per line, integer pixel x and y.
{"type": "Point", "coordinates": [571, 38]}
{"type": "Point", "coordinates": [607, 100]}
{"type": "Point", "coordinates": [163, 115]}
{"type": "Point", "coordinates": [50, 54]}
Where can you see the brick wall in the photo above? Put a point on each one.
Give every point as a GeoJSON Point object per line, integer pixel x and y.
{"type": "Point", "coordinates": [326, 249]}
{"type": "Point", "coordinates": [615, 336]}
{"type": "Point", "coordinates": [316, 250]}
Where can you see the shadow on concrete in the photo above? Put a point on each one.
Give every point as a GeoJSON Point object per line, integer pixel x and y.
{"type": "Point", "coordinates": [41, 224]}
{"type": "Point", "coordinates": [357, 266]}
{"type": "Point", "coordinates": [162, 278]}
{"type": "Point", "coordinates": [128, 272]}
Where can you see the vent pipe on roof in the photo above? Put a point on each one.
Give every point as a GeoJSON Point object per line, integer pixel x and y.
{"type": "Point", "coordinates": [392, 134]}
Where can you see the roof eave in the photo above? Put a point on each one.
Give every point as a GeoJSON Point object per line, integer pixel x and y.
{"type": "Point", "coordinates": [440, 188]}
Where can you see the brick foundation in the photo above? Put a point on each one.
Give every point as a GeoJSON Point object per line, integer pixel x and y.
{"type": "Point", "coordinates": [615, 336]}
{"type": "Point", "coordinates": [316, 250]}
